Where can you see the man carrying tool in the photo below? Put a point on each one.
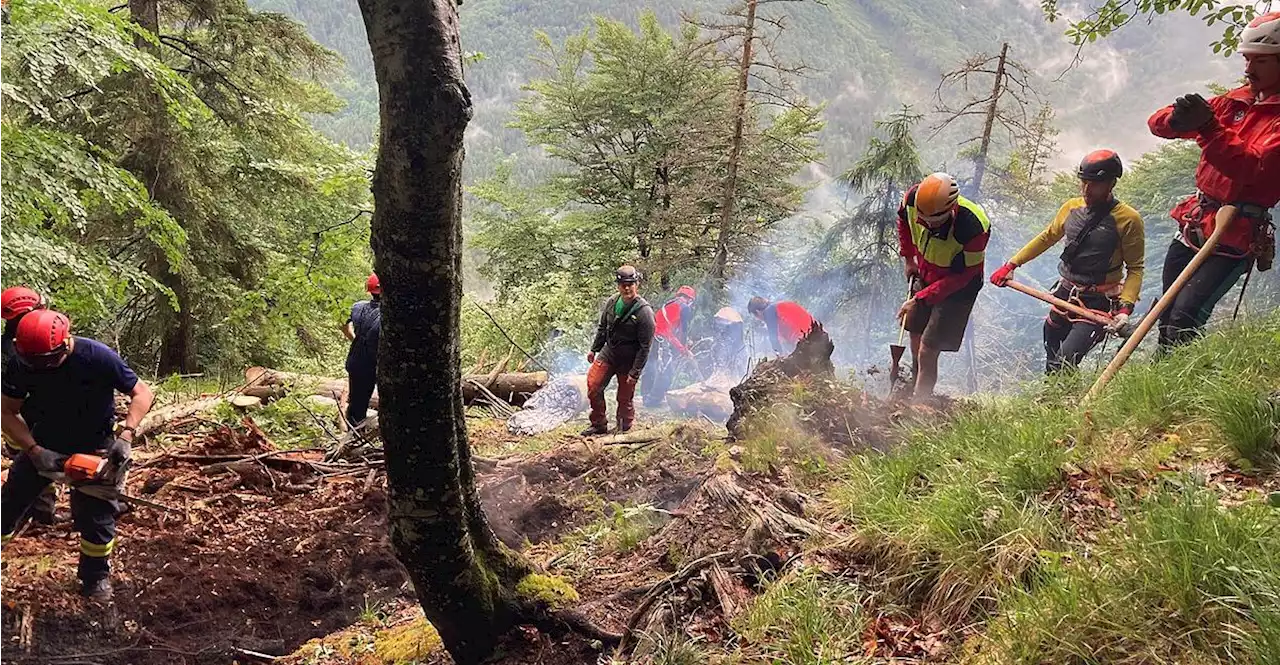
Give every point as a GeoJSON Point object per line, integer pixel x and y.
{"type": "Point", "coordinates": [1239, 138]}
{"type": "Point", "coordinates": [59, 400]}
{"type": "Point", "coordinates": [621, 349]}
{"type": "Point", "coordinates": [942, 238]}
{"type": "Point", "coordinates": [15, 303]}
{"type": "Point", "coordinates": [362, 329]}
{"type": "Point", "coordinates": [787, 322]}
{"type": "Point", "coordinates": [671, 337]}
{"type": "Point", "coordinates": [1100, 267]}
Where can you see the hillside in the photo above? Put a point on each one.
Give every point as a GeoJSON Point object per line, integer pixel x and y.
{"type": "Point", "coordinates": [866, 57]}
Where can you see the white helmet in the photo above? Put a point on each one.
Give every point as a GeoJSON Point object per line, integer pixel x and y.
{"type": "Point", "coordinates": [1262, 36]}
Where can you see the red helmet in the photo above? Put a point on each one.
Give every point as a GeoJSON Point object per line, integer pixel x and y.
{"type": "Point", "coordinates": [372, 285]}
{"type": "Point", "coordinates": [1100, 165]}
{"type": "Point", "coordinates": [18, 300]}
{"type": "Point", "coordinates": [43, 334]}
{"type": "Point", "coordinates": [688, 292]}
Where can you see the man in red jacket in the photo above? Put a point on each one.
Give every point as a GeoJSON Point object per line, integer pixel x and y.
{"type": "Point", "coordinates": [787, 322]}
{"type": "Point", "coordinates": [671, 342]}
{"type": "Point", "coordinates": [1239, 137]}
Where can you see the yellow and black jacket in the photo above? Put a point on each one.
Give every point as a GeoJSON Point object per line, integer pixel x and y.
{"type": "Point", "coordinates": [1111, 253]}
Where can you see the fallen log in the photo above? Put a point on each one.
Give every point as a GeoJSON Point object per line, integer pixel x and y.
{"type": "Point", "coordinates": [158, 418]}
{"type": "Point", "coordinates": [513, 387]}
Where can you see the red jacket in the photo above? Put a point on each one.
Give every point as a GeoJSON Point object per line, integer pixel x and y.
{"type": "Point", "coordinates": [787, 323]}
{"type": "Point", "coordinates": [1239, 160]}
{"type": "Point", "coordinates": [670, 324]}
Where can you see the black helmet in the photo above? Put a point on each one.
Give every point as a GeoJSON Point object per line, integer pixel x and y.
{"type": "Point", "coordinates": [626, 275]}
{"type": "Point", "coordinates": [1100, 165]}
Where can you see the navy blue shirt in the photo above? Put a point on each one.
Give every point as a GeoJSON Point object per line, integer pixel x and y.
{"type": "Point", "coordinates": [70, 408]}
{"type": "Point", "coordinates": [366, 319]}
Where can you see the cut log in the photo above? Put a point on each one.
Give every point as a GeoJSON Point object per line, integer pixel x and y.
{"type": "Point", "coordinates": [158, 418]}
{"type": "Point", "coordinates": [514, 387]}
{"type": "Point", "coordinates": [245, 401]}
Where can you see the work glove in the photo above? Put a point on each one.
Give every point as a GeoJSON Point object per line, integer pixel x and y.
{"type": "Point", "coordinates": [633, 377]}
{"type": "Point", "coordinates": [905, 310]}
{"type": "Point", "coordinates": [910, 270]}
{"type": "Point", "coordinates": [591, 358]}
{"type": "Point", "coordinates": [1121, 318]}
{"type": "Point", "coordinates": [45, 460]}
{"type": "Point", "coordinates": [1190, 113]}
{"type": "Point", "coordinates": [119, 451]}
{"type": "Point", "coordinates": [1003, 274]}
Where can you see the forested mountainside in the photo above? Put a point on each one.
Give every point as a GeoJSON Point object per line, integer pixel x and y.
{"type": "Point", "coordinates": [865, 57]}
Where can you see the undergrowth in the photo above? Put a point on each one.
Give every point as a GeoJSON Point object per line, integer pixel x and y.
{"type": "Point", "coordinates": [804, 618]}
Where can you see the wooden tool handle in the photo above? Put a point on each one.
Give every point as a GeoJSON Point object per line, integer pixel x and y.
{"type": "Point", "coordinates": [1226, 215]}
{"type": "Point", "coordinates": [1097, 317]}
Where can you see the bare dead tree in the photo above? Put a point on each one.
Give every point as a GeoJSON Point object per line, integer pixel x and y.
{"type": "Point", "coordinates": [1006, 103]}
{"type": "Point", "coordinates": [763, 79]}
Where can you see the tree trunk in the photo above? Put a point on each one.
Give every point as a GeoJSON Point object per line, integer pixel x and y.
{"type": "Point", "coordinates": [720, 268]}
{"type": "Point", "coordinates": [464, 578]}
{"type": "Point", "coordinates": [980, 162]}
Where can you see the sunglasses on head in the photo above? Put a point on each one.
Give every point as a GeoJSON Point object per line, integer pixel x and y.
{"type": "Point", "coordinates": [43, 360]}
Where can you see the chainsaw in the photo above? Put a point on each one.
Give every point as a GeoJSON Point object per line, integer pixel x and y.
{"type": "Point", "coordinates": [100, 478]}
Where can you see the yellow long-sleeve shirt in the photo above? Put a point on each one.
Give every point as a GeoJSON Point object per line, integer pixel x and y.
{"type": "Point", "coordinates": [1113, 252]}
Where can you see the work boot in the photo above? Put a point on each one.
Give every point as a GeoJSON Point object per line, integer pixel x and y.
{"type": "Point", "coordinates": [624, 428]}
{"type": "Point", "coordinates": [45, 517]}
{"type": "Point", "coordinates": [98, 590]}
{"type": "Point", "coordinates": [594, 430]}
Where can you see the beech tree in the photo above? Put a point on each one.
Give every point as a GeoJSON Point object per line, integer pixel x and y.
{"type": "Point", "coordinates": [464, 577]}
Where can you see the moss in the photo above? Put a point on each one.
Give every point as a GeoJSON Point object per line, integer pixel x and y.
{"type": "Point", "coordinates": [554, 592]}
{"type": "Point", "coordinates": [406, 643]}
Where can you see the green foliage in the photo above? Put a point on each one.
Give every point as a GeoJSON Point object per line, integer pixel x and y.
{"type": "Point", "coordinates": [166, 189]}
{"type": "Point", "coordinates": [1112, 15]}
{"type": "Point", "coordinates": [805, 618]}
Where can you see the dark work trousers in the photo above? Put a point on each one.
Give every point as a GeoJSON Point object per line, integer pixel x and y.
{"type": "Point", "coordinates": [1067, 338]}
{"type": "Point", "coordinates": [361, 382]}
{"type": "Point", "coordinates": [46, 505]}
{"type": "Point", "coordinates": [1186, 316]}
{"type": "Point", "coordinates": [94, 518]}
{"type": "Point", "coordinates": [664, 363]}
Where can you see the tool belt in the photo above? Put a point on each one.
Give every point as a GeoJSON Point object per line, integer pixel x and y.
{"type": "Point", "coordinates": [1263, 245]}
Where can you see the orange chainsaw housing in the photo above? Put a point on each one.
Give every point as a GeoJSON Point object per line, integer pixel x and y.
{"type": "Point", "coordinates": [81, 467]}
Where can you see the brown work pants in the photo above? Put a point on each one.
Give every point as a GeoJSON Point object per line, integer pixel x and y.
{"type": "Point", "coordinates": [598, 378]}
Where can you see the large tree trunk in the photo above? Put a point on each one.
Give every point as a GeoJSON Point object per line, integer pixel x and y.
{"type": "Point", "coordinates": [464, 578]}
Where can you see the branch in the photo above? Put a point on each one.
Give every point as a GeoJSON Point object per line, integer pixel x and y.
{"type": "Point", "coordinates": [317, 237]}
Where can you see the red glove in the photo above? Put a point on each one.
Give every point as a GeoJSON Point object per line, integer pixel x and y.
{"type": "Point", "coordinates": [1125, 308]}
{"type": "Point", "coordinates": [1003, 274]}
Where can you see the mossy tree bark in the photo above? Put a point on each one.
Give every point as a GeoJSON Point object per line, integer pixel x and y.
{"type": "Point", "coordinates": [464, 577]}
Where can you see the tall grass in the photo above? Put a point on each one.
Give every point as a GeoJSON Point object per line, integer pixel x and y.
{"type": "Point", "coordinates": [805, 618]}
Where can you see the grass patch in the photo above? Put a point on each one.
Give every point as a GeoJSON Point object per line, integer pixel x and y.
{"type": "Point", "coordinates": [805, 618]}
{"type": "Point", "coordinates": [1182, 580]}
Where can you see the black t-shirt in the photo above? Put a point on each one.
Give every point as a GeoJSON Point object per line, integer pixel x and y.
{"type": "Point", "coordinates": [70, 408]}
{"type": "Point", "coordinates": [366, 319]}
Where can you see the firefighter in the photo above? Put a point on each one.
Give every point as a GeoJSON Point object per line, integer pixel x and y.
{"type": "Point", "coordinates": [1100, 267]}
{"type": "Point", "coordinates": [362, 329]}
{"type": "Point", "coordinates": [1239, 138]}
{"type": "Point", "coordinates": [787, 322]}
{"type": "Point", "coordinates": [58, 400]}
{"type": "Point", "coordinates": [943, 240]}
{"type": "Point", "coordinates": [15, 303]}
{"type": "Point", "coordinates": [671, 344]}
{"type": "Point", "coordinates": [621, 348]}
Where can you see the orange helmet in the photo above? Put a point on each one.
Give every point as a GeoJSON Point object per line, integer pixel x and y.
{"type": "Point", "coordinates": [936, 198]}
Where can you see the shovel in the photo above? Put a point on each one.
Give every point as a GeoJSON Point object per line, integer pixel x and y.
{"type": "Point", "coordinates": [896, 351]}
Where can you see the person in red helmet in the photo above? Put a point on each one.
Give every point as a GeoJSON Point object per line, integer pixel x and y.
{"type": "Point", "coordinates": [15, 303]}
{"type": "Point", "coordinates": [362, 329]}
{"type": "Point", "coordinates": [787, 322]}
{"type": "Point", "coordinates": [1239, 138]}
{"type": "Point", "coordinates": [58, 400]}
{"type": "Point", "coordinates": [671, 339]}
{"type": "Point", "coordinates": [1100, 268]}
{"type": "Point", "coordinates": [621, 348]}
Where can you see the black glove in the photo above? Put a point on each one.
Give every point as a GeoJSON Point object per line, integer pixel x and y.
{"type": "Point", "coordinates": [45, 460]}
{"type": "Point", "coordinates": [1190, 113]}
{"type": "Point", "coordinates": [119, 451]}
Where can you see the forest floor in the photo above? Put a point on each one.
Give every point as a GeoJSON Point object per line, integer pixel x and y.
{"type": "Point", "coordinates": [1001, 530]}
